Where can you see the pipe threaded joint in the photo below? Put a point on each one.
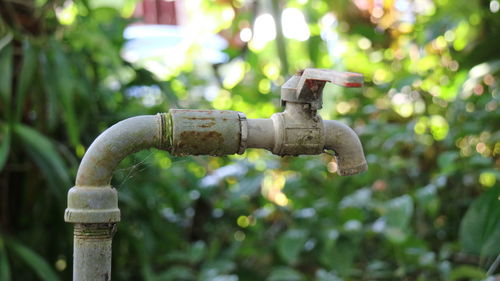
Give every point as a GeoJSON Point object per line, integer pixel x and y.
{"type": "Point", "coordinates": [164, 131]}
{"type": "Point", "coordinates": [97, 231]}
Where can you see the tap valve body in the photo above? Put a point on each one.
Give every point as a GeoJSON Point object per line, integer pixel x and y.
{"type": "Point", "coordinates": [299, 129]}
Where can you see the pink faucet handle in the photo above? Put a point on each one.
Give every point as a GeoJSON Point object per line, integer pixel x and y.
{"type": "Point", "coordinates": [344, 79]}
{"type": "Point", "coordinates": [307, 85]}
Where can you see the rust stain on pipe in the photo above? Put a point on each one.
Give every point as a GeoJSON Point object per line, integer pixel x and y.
{"type": "Point", "coordinates": [200, 118]}
{"type": "Point", "coordinates": [198, 142]}
{"type": "Point", "coordinates": [207, 125]}
{"type": "Point", "coordinates": [202, 132]}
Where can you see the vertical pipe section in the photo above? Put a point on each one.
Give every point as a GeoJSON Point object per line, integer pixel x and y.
{"type": "Point", "coordinates": [92, 251]}
{"type": "Point", "coordinates": [93, 203]}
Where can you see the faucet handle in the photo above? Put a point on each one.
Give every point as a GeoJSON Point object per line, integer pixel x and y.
{"type": "Point", "coordinates": [340, 78]}
{"type": "Point", "coordinates": [307, 85]}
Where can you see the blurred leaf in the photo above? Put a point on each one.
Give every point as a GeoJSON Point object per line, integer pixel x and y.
{"type": "Point", "coordinates": [285, 274]}
{"type": "Point", "coordinates": [177, 273]}
{"type": "Point", "coordinates": [467, 272]}
{"type": "Point", "coordinates": [342, 256]}
{"type": "Point", "coordinates": [480, 227]}
{"type": "Point", "coordinates": [5, 274]}
{"type": "Point", "coordinates": [6, 39]}
{"type": "Point", "coordinates": [359, 199]}
{"type": "Point", "coordinates": [197, 252]}
{"type": "Point", "coordinates": [5, 136]}
{"type": "Point", "coordinates": [33, 260]}
{"type": "Point", "coordinates": [313, 50]}
{"type": "Point", "coordinates": [46, 157]}
{"type": "Point", "coordinates": [63, 79]}
{"type": "Point", "coordinates": [6, 76]}
{"type": "Point", "coordinates": [428, 198]}
{"type": "Point", "coordinates": [447, 161]}
{"type": "Point", "coordinates": [398, 211]}
{"type": "Point", "coordinates": [220, 265]}
{"type": "Point", "coordinates": [51, 99]}
{"type": "Point", "coordinates": [221, 278]}
{"type": "Point", "coordinates": [323, 275]}
{"type": "Point", "coordinates": [26, 76]}
{"type": "Point", "coordinates": [291, 243]}
{"type": "Point", "coordinates": [329, 239]}
{"type": "Point", "coordinates": [397, 215]}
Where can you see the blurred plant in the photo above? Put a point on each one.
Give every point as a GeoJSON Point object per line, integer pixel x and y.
{"type": "Point", "coordinates": [427, 209]}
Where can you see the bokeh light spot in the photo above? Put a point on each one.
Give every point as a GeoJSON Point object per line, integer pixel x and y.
{"type": "Point", "coordinates": [264, 86]}
{"type": "Point", "coordinates": [487, 179]}
{"type": "Point", "coordinates": [243, 221]}
{"type": "Point", "coordinates": [61, 264]}
{"type": "Point", "coordinates": [494, 6]}
{"type": "Point", "coordinates": [239, 236]}
{"type": "Point", "coordinates": [439, 127]}
{"type": "Point", "coordinates": [246, 34]}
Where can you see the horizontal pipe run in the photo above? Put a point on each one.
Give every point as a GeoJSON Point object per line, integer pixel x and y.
{"type": "Point", "coordinates": [206, 132]}
{"type": "Point", "coordinates": [260, 133]}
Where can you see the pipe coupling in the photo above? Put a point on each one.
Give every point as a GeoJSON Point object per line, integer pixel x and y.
{"type": "Point", "coordinates": [208, 132]}
{"type": "Point", "coordinates": [92, 205]}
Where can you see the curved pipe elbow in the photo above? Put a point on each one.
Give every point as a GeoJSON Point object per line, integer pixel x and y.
{"type": "Point", "coordinates": [117, 142]}
{"type": "Point", "coordinates": [344, 141]}
{"type": "Point", "coordinates": [93, 200]}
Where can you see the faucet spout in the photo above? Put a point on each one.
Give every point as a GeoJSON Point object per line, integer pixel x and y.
{"type": "Point", "coordinates": [349, 151]}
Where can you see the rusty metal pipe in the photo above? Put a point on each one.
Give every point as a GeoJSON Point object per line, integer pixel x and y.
{"type": "Point", "coordinates": [349, 151]}
{"type": "Point", "coordinates": [206, 132]}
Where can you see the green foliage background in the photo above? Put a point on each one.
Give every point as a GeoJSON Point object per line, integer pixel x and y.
{"type": "Point", "coordinates": [428, 117]}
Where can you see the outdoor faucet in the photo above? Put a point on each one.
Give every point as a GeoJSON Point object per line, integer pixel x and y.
{"type": "Point", "coordinates": [298, 130]}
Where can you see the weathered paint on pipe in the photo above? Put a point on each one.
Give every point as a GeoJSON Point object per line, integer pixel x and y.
{"type": "Point", "coordinates": [298, 131]}
{"type": "Point", "coordinates": [260, 134]}
{"type": "Point", "coordinates": [122, 139]}
{"type": "Point", "coordinates": [92, 252]}
{"type": "Point", "coordinates": [92, 205]}
{"type": "Point", "coordinates": [349, 151]}
{"type": "Point", "coordinates": [205, 132]}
